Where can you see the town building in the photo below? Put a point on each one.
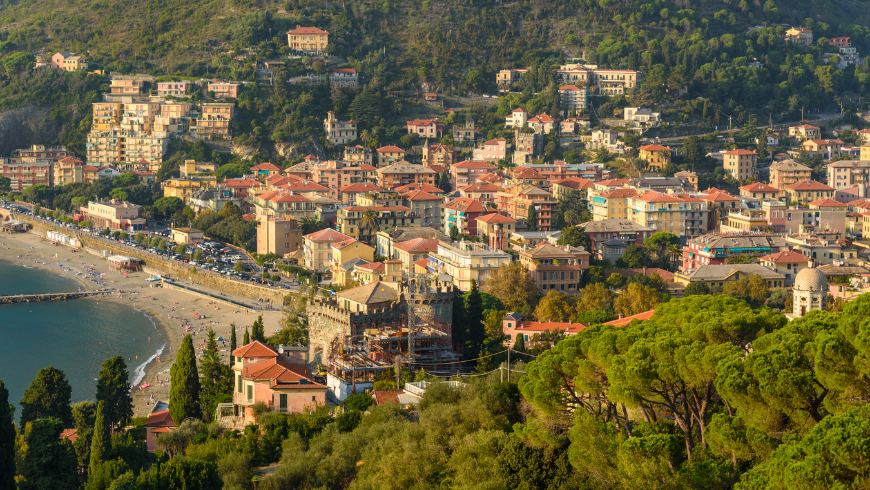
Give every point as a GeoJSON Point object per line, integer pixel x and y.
{"type": "Point", "coordinates": [317, 248]}
{"type": "Point", "coordinates": [564, 188]}
{"type": "Point", "coordinates": [482, 191]}
{"type": "Point", "coordinates": [513, 327]}
{"type": "Point", "coordinates": [278, 236]}
{"type": "Point", "coordinates": [623, 230]}
{"type": "Point", "coordinates": [358, 155]}
{"type": "Point", "coordinates": [352, 220]}
{"type": "Point", "coordinates": [612, 205]}
{"type": "Point", "coordinates": [387, 239]}
{"type": "Point", "coordinates": [385, 271]}
{"type": "Point", "coordinates": [845, 174]}
{"type": "Point", "coordinates": [524, 199]}
{"type": "Point", "coordinates": [518, 118]}
{"type": "Point", "coordinates": [410, 251]}
{"type": "Point", "coordinates": [788, 172]}
{"type": "Point", "coordinates": [656, 156]}
{"type": "Point", "coordinates": [491, 151]}
{"type": "Point", "coordinates": [555, 268]}
{"type": "Point", "coordinates": [466, 173]}
{"type": "Point", "coordinates": [442, 155]}
{"type": "Point", "coordinates": [175, 89]}
{"type": "Point", "coordinates": [224, 90]}
{"type": "Point", "coordinates": [497, 227]}
{"type": "Point", "coordinates": [214, 120]}
{"type": "Point", "coordinates": [389, 155]}
{"type": "Point", "coordinates": [425, 205]}
{"type": "Point", "coordinates": [573, 98]}
{"type": "Point", "coordinates": [186, 236]}
{"type": "Point", "coordinates": [465, 134]}
{"type": "Point", "coordinates": [183, 188]}
{"type": "Point", "coordinates": [345, 256]}
{"type": "Point", "coordinates": [68, 61]}
{"type": "Point", "coordinates": [277, 378]}
{"type": "Point", "coordinates": [339, 132]}
{"type": "Point", "coordinates": [717, 248]}
{"type": "Point", "coordinates": [826, 148]}
{"type": "Point", "coordinates": [404, 173]}
{"type": "Point", "coordinates": [741, 164]}
{"type": "Point", "coordinates": [527, 147]}
{"type": "Point", "coordinates": [808, 191]}
{"type": "Point", "coordinates": [425, 128]}
{"type": "Point", "coordinates": [344, 77]}
{"type": "Point", "coordinates": [718, 276]}
{"type": "Point", "coordinates": [24, 175]}
{"type": "Point", "coordinates": [788, 263]}
{"type": "Point", "coordinates": [759, 190]}
{"type": "Point", "coordinates": [67, 170]}
{"type": "Point", "coordinates": [466, 262]}
{"type": "Point", "coordinates": [308, 40]}
{"type": "Point", "coordinates": [114, 215]}
{"type": "Point", "coordinates": [799, 36]}
{"type": "Point", "coordinates": [639, 117]}
{"type": "Point", "coordinates": [805, 132]}
{"type": "Point", "coordinates": [681, 215]}
{"type": "Point", "coordinates": [462, 213]}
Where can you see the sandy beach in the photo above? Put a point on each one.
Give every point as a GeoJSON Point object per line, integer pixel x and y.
{"type": "Point", "coordinates": [174, 312]}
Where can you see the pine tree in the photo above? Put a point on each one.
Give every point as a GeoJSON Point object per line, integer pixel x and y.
{"type": "Point", "coordinates": [184, 394]}
{"type": "Point", "coordinates": [247, 338]}
{"type": "Point", "coordinates": [113, 388]}
{"type": "Point", "coordinates": [7, 441]}
{"type": "Point", "coordinates": [232, 341]}
{"type": "Point", "coordinates": [211, 343]}
{"type": "Point", "coordinates": [47, 396]}
{"type": "Point", "coordinates": [101, 443]}
{"type": "Point", "coordinates": [48, 463]}
{"type": "Point", "coordinates": [217, 377]}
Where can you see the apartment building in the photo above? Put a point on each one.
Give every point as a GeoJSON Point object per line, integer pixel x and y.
{"type": "Point", "coordinates": [224, 90]}
{"type": "Point", "coordinates": [805, 132]}
{"type": "Point", "coordinates": [127, 87]}
{"type": "Point", "coordinates": [388, 155]}
{"type": "Point", "coordinates": [718, 276]}
{"type": "Point", "coordinates": [466, 173]}
{"type": "Point", "coordinates": [526, 197]}
{"type": "Point", "coordinates": [808, 191]}
{"type": "Point", "coordinates": [39, 153]}
{"type": "Point", "coordinates": [214, 120]}
{"type": "Point", "coordinates": [175, 89]}
{"type": "Point", "coordinates": [741, 164]}
{"type": "Point", "coordinates": [24, 175]}
{"type": "Point", "coordinates": [759, 190]}
{"type": "Point", "coordinates": [826, 148]}
{"type": "Point", "coordinates": [283, 203]}
{"type": "Point", "coordinates": [192, 168]}
{"type": "Point", "coordinates": [639, 117]}
{"type": "Point", "coordinates": [787, 263]}
{"type": "Point", "coordinates": [346, 256]}
{"type": "Point", "coordinates": [845, 174]}
{"type": "Point", "coordinates": [491, 151]}
{"type": "Point", "coordinates": [278, 236]}
{"type": "Point", "coordinates": [114, 215]}
{"type": "Point", "coordinates": [67, 171]}
{"type": "Point", "coordinates": [317, 248]}
{"type": "Point", "coordinates": [788, 172]}
{"type": "Point", "coordinates": [351, 220]}
{"type": "Point", "coordinates": [555, 268]}
{"type": "Point", "coordinates": [462, 213]}
{"type": "Point", "coordinates": [573, 98]}
{"type": "Point", "coordinates": [334, 175]}
{"type": "Point", "coordinates": [339, 132]}
{"type": "Point", "coordinates": [466, 262]}
{"type": "Point", "coordinates": [716, 248]}
{"type": "Point", "coordinates": [681, 215]}
{"type": "Point", "coordinates": [564, 188]}
{"type": "Point", "coordinates": [505, 78]}
{"type": "Point", "coordinates": [497, 227]}
{"type": "Point", "coordinates": [425, 205]}
{"type": "Point", "coordinates": [657, 157]}
{"type": "Point", "coordinates": [483, 192]}
{"type": "Point", "coordinates": [404, 173]}
{"type": "Point", "coordinates": [410, 251]}
{"type": "Point", "coordinates": [184, 187]}
{"type": "Point", "coordinates": [441, 155]}
{"type": "Point", "coordinates": [626, 231]}
{"type": "Point", "coordinates": [308, 39]}
{"type": "Point", "coordinates": [344, 77]}
{"type": "Point", "coordinates": [612, 205]}
{"type": "Point", "coordinates": [358, 155]}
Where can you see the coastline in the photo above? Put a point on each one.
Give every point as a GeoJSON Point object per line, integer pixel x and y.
{"type": "Point", "coordinates": [174, 313]}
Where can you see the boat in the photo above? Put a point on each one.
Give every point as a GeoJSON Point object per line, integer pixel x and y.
{"type": "Point", "coordinates": [153, 278]}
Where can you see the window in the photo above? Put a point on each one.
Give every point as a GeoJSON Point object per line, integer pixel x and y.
{"type": "Point", "coordinates": [239, 382]}
{"type": "Point", "coordinates": [250, 393]}
{"type": "Point", "coordinates": [282, 402]}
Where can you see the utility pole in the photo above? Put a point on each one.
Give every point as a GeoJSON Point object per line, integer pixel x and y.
{"type": "Point", "coordinates": [509, 363]}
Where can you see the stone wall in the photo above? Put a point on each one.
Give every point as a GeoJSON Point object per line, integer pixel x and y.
{"type": "Point", "coordinates": [168, 267]}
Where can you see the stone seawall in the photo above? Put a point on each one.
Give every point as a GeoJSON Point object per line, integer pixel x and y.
{"type": "Point", "coordinates": [200, 278]}
{"type": "Point", "coordinates": [29, 298]}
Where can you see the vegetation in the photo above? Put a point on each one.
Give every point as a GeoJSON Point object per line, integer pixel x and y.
{"type": "Point", "coordinates": [184, 394]}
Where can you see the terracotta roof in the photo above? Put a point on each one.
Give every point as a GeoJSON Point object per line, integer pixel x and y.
{"type": "Point", "coordinates": [300, 186]}
{"type": "Point", "coordinates": [550, 326]}
{"type": "Point", "coordinates": [70, 160]}
{"type": "Point", "coordinates": [69, 434]}
{"type": "Point", "coordinates": [418, 245]}
{"type": "Point", "coordinates": [240, 183]}
{"type": "Point", "coordinates": [378, 208]}
{"type": "Point", "coordinates": [759, 187]}
{"type": "Point", "coordinates": [612, 182]}
{"type": "Point", "coordinates": [344, 243]}
{"type": "Point", "coordinates": [828, 203]}
{"type": "Point", "coordinates": [424, 263]}
{"type": "Point", "coordinates": [527, 173]}
{"type": "Point", "coordinates": [327, 235]}
{"type": "Point", "coordinates": [420, 196]}
{"type": "Point", "coordinates": [418, 187]}
{"type": "Point", "coordinates": [482, 187]}
{"type": "Point", "coordinates": [654, 148]}
{"type": "Point", "coordinates": [519, 109]}
{"type": "Point", "coordinates": [266, 166]}
{"type": "Point", "coordinates": [625, 321]}
{"type": "Point", "coordinates": [653, 196]}
{"type": "Point", "coordinates": [471, 164]}
{"type": "Point", "coordinates": [495, 218]}
{"type": "Point", "coordinates": [249, 217]}
{"type": "Point", "coordinates": [438, 168]}
{"type": "Point", "coordinates": [495, 141]}
{"type": "Point", "coordinates": [344, 70]}
{"type": "Point", "coordinates": [466, 205]}
{"type": "Point", "coordinates": [809, 185]}
{"type": "Point", "coordinates": [307, 30]}
{"type": "Point", "coordinates": [740, 152]}
{"type": "Point", "coordinates": [386, 396]}
{"type": "Point", "coordinates": [575, 183]}
{"type": "Point", "coordinates": [255, 349]}
{"type": "Point", "coordinates": [361, 187]}
{"type": "Point", "coordinates": [91, 168]}
{"type": "Point", "coordinates": [807, 126]}
{"type": "Point", "coordinates": [376, 292]}
{"type": "Point", "coordinates": [788, 257]}
{"type": "Point", "coordinates": [720, 196]}
{"type": "Point", "coordinates": [542, 118]}
{"type": "Point", "coordinates": [860, 203]}
{"type": "Point", "coordinates": [618, 193]}
{"type": "Point", "coordinates": [422, 122]}
{"type": "Point", "coordinates": [281, 374]}
{"type": "Point", "coordinates": [570, 88]}
{"type": "Point", "coordinates": [390, 149]}
{"type": "Point", "coordinates": [160, 419]}
{"type": "Point", "coordinates": [490, 177]}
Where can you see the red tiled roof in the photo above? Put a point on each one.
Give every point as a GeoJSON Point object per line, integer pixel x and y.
{"type": "Point", "coordinates": [240, 183]}
{"type": "Point", "coordinates": [625, 321]}
{"type": "Point", "coordinates": [720, 196]}
{"type": "Point", "coordinates": [160, 419]}
{"type": "Point", "coordinates": [266, 166]}
{"type": "Point", "coordinates": [418, 245]}
{"type": "Point", "coordinates": [653, 196]}
{"type": "Point", "coordinates": [377, 208]}
{"type": "Point", "coordinates": [620, 193]}
{"type": "Point", "coordinates": [390, 149]}
{"type": "Point", "coordinates": [327, 235]}
{"type": "Point", "coordinates": [422, 122]}
{"type": "Point", "coordinates": [300, 186]}
{"type": "Point", "coordinates": [482, 187]}
{"type": "Point", "coordinates": [418, 187]}
{"type": "Point", "coordinates": [495, 141]}
{"type": "Point", "coordinates": [386, 396]}
{"type": "Point", "coordinates": [307, 30]}
{"type": "Point", "coordinates": [255, 349]}
{"type": "Point", "coordinates": [809, 185]}
{"type": "Point", "coordinates": [495, 218]}
{"type": "Point", "coordinates": [424, 263]}
{"type": "Point", "coordinates": [466, 205]}
{"type": "Point", "coordinates": [612, 182]}
{"type": "Point", "coordinates": [759, 187]}
{"type": "Point", "coordinates": [472, 164]}
{"type": "Point", "coordinates": [438, 168]}
{"type": "Point", "coordinates": [69, 434]}
{"type": "Point", "coordinates": [569, 88]}
{"type": "Point", "coordinates": [575, 183]}
{"type": "Point", "coordinates": [70, 160]}
{"type": "Point", "coordinates": [90, 168]}
{"type": "Point", "coordinates": [361, 187]}
{"type": "Point", "coordinates": [249, 217]}
{"type": "Point", "coordinates": [420, 196]}
{"type": "Point", "coordinates": [344, 243]}
{"type": "Point", "coordinates": [542, 118]}
{"type": "Point", "coordinates": [490, 177]}
{"type": "Point", "coordinates": [828, 203]}
{"type": "Point", "coordinates": [527, 173]}
{"type": "Point", "coordinates": [550, 326]}
{"type": "Point", "coordinates": [344, 70]}
{"type": "Point", "coordinates": [787, 257]}
{"type": "Point", "coordinates": [740, 152]}
{"type": "Point", "coordinates": [654, 148]}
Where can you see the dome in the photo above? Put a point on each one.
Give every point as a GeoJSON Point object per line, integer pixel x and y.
{"type": "Point", "coordinates": [810, 279]}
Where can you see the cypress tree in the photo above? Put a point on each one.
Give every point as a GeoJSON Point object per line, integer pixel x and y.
{"type": "Point", "coordinates": [184, 394]}
{"type": "Point", "coordinates": [232, 341]}
{"type": "Point", "coordinates": [520, 344]}
{"type": "Point", "coordinates": [211, 343]}
{"type": "Point", "coordinates": [101, 443]}
{"type": "Point", "coordinates": [7, 441]}
{"type": "Point", "coordinates": [474, 316]}
{"type": "Point", "coordinates": [258, 330]}
{"type": "Point", "coordinates": [247, 338]}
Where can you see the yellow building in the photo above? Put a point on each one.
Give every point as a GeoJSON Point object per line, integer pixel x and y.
{"type": "Point", "coordinates": [68, 171]}
{"type": "Point", "coordinates": [107, 115]}
{"type": "Point", "coordinates": [612, 204]}
{"type": "Point", "coordinates": [191, 168]}
{"type": "Point", "coordinates": [740, 163]}
{"type": "Point", "coordinates": [308, 39]}
{"type": "Point", "coordinates": [278, 236]}
{"type": "Point", "coordinates": [214, 120]}
{"type": "Point", "coordinates": [345, 255]}
{"type": "Point", "coordinates": [717, 276]}
{"type": "Point", "coordinates": [656, 156]}
{"type": "Point", "coordinates": [386, 271]}
{"type": "Point", "coordinates": [317, 248]}
{"type": "Point", "coordinates": [350, 220]}
{"type": "Point", "coordinates": [183, 188]}
{"type": "Point", "coordinates": [678, 214]}
{"type": "Point", "coordinates": [808, 191]}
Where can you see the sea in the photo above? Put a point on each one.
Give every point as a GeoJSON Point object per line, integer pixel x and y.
{"type": "Point", "coordinates": [75, 336]}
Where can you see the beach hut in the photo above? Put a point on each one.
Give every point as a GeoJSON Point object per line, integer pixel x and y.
{"type": "Point", "coordinates": [15, 226]}
{"type": "Point", "coordinates": [122, 262]}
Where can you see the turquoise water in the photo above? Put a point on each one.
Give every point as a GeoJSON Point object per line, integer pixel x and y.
{"type": "Point", "coordinates": [75, 336]}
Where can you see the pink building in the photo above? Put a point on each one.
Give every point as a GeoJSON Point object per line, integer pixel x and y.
{"type": "Point", "coordinates": [466, 173]}
{"type": "Point", "coordinates": [224, 89]}
{"type": "Point", "coordinates": [159, 422]}
{"type": "Point", "coordinates": [336, 174]}
{"type": "Point", "coordinates": [513, 326]}
{"type": "Point", "coordinates": [278, 378]}
{"type": "Point", "coordinates": [492, 150]}
{"type": "Point", "coordinates": [176, 89]}
{"type": "Point", "coordinates": [425, 128]}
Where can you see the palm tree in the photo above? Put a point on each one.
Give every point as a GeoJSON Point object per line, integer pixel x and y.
{"type": "Point", "coordinates": [369, 221]}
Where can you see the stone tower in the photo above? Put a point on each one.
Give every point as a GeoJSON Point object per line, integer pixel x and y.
{"type": "Point", "coordinates": [810, 292]}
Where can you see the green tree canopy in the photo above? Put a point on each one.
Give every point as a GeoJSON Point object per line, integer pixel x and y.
{"type": "Point", "coordinates": [184, 401]}
{"type": "Point", "coordinates": [48, 396]}
{"type": "Point", "coordinates": [113, 388]}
